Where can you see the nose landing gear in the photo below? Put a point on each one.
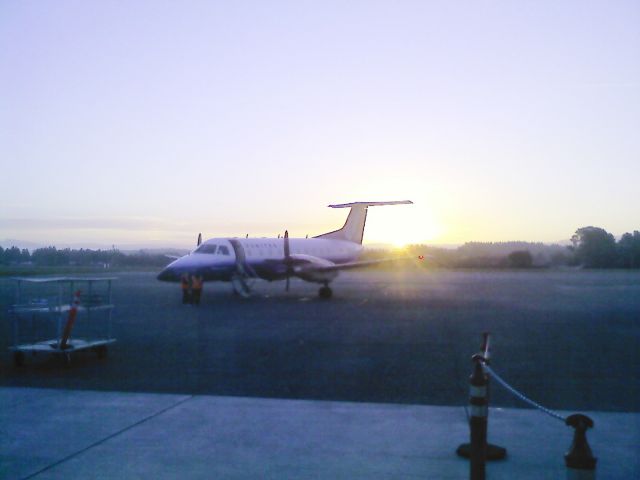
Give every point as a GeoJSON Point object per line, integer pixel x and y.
{"type": "Point", "coordinates": [325, 292]}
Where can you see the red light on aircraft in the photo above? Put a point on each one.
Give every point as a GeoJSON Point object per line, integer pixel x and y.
{"type": "Point", "coordinates": [420, 257]}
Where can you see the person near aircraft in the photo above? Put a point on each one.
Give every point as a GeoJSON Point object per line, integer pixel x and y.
{"type": "Point", "coordinates": [185, 284]}
{"type": "Point", "coordinates": [196, 289]}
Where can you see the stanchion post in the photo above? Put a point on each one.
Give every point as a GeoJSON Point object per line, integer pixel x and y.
{"type": "Point", "coordinates": [478, 420]}
{"type": "Point", "coordinates": [476, 449]}
{"type": "Point", "coordinates": [486, 348]}
{"type": "Point", "coordinates": [491, 452]}
{"type": "Point", "coordinates": [580, 462]}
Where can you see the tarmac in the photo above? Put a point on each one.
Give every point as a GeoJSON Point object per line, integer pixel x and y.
{"type": "Point", "coordinates": [58, 433]}
{"type": "Point", "coordinates": [568, 340]}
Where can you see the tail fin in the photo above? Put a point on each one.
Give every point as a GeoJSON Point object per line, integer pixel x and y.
{"type": "Point", "coordinates": [353, 229]}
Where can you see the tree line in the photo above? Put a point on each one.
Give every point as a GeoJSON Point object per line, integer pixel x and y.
{"type": "Point", "coordinates": [594, 247]}
{"type": "Point", "coordinates": [591, 247]}
{"type": "Point", "coordinates": [51, 256]}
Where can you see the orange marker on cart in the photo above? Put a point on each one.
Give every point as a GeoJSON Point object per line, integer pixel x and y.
{"type": "Point", "coordinates": [70, 321]}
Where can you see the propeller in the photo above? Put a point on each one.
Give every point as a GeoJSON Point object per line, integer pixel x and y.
{"type": "Point", "coordinates": [199, 239]}
{"type": "Point", "coordinates": [287, 258]}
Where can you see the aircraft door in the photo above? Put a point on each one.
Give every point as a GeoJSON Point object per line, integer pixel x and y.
{"type": "Point", "coordinates": [241, 258]}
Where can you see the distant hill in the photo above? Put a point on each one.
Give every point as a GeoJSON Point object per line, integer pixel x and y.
{"type": "Point", "coordinates": [541, 253]}
{"type": "Point", "coordinates": [158, 251]}
{"type": "Point", "coordinates": [481, 254]}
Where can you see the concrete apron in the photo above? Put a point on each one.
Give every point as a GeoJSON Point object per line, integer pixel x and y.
{"type": "Point", "coordinates": [84, 434]}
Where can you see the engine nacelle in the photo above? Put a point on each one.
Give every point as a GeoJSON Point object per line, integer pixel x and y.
{"type": "Point", "coordinates": [312, 269]}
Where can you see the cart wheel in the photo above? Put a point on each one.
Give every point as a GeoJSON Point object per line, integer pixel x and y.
{"type": "Point", "coordinates": [18, 359]}
{"type": "Point", "coordinates": [101, 351]}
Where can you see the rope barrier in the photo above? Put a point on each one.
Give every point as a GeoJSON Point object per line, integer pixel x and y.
{"type": "Point", "coordinates": [521, 396]}
{"type": "Point", "coordinates": [579, 460]}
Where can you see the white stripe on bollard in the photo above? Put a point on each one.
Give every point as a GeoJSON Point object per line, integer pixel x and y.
{"type": "Point", "coordinates": [478, 391]}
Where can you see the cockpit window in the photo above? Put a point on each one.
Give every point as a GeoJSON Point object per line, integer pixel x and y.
{"type": "Point", "coordinates": [223, 250]}
{"type": "Point", "coordinates": [207, 248]}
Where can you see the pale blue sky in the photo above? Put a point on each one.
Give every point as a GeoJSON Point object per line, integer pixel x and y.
{"type": "Point", "coordinates": [146, 122]}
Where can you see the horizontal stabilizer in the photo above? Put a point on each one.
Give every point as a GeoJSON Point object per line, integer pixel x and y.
{"type": "Point", "coordinates": [371, 204]}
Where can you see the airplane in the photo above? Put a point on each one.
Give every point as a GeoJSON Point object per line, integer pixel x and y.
{"type": "Point", "coordinates": [318, 259]}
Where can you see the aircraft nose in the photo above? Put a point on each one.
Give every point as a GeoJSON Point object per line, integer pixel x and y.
{"type": "Point", "coordinates": [169, 274]}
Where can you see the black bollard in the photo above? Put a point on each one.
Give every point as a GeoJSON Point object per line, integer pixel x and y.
{"type": "Point", "coordinates": [492, 452]}
{"type": "Point", "coordinates": [476, 450]}
{"type": "Point", "coordinates": [580, 462]}
{"type": "Point", "coordinates": [478, 420]}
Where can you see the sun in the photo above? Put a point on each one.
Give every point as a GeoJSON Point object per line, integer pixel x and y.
{"type": "Point", "coordinates": [400, 226]}
{"type": "Point", "coordinates": [399, 244]}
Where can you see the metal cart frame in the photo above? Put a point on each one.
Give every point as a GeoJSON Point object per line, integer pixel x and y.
{"type": "Point", "coordinates": [58, 312]}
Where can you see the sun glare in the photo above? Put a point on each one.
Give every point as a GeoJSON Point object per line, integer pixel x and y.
{"type": "Point", "coordinates": [400, 226]}
{"type": "Point", "coordinates": [400, 244]}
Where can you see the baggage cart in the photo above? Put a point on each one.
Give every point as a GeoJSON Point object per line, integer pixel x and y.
{"type": "Point", "coordinates": [61, 316]}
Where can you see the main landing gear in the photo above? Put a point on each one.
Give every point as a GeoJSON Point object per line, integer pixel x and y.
{"type": "Point", "coordinates": [325, 292]}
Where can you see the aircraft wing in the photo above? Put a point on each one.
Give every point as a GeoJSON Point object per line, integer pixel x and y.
{"type": "Point", "coordinates": [350, 265]}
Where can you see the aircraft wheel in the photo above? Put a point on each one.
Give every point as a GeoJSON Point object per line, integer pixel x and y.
{"type": "Point", "coordinates": [325, 292]}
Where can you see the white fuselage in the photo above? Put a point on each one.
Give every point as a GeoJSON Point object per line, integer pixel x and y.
{"type": "Point", "coordinates": [317, 259]}
{"type": "Point", "coordinates": [222, 258]}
